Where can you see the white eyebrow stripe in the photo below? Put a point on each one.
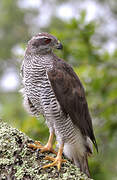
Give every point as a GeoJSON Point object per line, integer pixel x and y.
{"type": "Point", "coordinates": [39, 37]}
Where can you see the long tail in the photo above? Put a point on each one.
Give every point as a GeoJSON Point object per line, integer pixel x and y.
{"type": "Point", "coordinates": [83, 165]}
{"type": "Point", "coordinates": [78, 155]}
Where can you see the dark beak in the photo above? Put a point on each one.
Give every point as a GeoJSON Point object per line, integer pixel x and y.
{"type": "Point", "coordinates": [59, 46]}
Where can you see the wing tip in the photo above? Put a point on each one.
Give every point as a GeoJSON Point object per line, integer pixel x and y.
{"type": "Point", "coordinates": [96, 146]}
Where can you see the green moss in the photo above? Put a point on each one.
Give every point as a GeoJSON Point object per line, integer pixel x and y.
{"type": "Point", "coordinates": [20, 162]}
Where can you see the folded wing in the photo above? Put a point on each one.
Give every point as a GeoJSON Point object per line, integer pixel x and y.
{"type": "Point", "coordinates": [71, 96]}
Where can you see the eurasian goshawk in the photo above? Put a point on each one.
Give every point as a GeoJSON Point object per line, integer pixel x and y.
{"type": "Point", "coordinates": [52, 88]}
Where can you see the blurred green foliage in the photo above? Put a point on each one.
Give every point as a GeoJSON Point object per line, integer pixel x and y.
{"type": "Point", "coordinates": [97, 70]}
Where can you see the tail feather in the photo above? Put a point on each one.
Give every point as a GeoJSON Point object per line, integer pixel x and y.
{"type": "Point", "coordinates": [78, 155]}
{"type": "Point", "coordinates": [84, 166]}
{"type": "Point", "coordinates": [82, 163]}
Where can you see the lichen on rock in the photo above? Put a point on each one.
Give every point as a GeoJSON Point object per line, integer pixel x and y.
{"type": "Point", "coordinates": [18, 162]}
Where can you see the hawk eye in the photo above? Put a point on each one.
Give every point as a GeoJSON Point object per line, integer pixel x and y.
{"type": "Point", "coordinates": [47, 41]}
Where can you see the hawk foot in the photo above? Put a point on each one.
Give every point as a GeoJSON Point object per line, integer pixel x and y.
{"type": "Point", "coordinates": [56, 162]}
{"type": "Point", "coordinates": [46, 148]}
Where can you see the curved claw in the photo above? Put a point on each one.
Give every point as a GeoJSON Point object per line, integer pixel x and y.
{"type": "Point", "coordinates": [46, 148]}
{"type": "Point", "coordinates": [35, 145]}
{"type": "Point", "coordinates": [56, 162]}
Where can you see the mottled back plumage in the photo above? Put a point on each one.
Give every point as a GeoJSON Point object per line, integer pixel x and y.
{"type": "Point", "coordinates": [52, 88]}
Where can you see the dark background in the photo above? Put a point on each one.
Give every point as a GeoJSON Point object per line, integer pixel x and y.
{"type": "Point", "coordinates": [87, 30]}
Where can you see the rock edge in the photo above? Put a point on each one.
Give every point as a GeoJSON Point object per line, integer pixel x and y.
{"type": "Point", "coordinates": [18, 162]}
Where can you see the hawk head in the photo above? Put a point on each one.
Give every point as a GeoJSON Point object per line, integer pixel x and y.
{"type": "Point", "coordinates": [43, 43]}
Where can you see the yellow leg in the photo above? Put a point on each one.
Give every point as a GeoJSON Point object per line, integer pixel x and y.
{"type": "Point", "coordinates": [56, 161]}
{"type": "Point", "coordinates": [47, 147]}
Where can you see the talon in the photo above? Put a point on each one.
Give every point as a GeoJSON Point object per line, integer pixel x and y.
{"type": "Point", "coordinates": [53, 159]}
{"type": "Point", "coordinates": [46, 148]}
{"type": "Point", "coordinates": [56, 161]}
{"type": "Point", "coordinates": [36, 145]}
{"type": "Point", "coordinates": [49, 158]}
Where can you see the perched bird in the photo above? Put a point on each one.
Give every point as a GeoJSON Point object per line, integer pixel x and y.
{"type": "Point", "coordinates": [52, 88]}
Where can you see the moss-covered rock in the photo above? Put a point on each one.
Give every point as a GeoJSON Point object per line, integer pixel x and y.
{"type": "Point", "coordinates": [18, 162]}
